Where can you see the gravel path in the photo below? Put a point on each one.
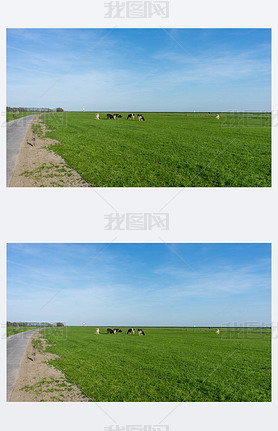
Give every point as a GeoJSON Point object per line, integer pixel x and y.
{"type": "Point", "coordinates": [16, 346]}
{"type": "Point", "coordinates": [16, 131]}
{"type": "Point", "coordinates": [38, 166]}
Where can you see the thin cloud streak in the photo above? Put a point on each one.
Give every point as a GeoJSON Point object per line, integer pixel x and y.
{"type": "Point", "coordinates": [123, 70]}
{"type": "Point", "coordinates": [144, 282]}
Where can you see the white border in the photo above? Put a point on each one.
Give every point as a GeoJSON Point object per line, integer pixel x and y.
{"type": "Point", "coordinates": [196, 215]}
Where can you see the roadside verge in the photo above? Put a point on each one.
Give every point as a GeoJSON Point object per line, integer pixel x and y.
{"type": "Point", "coordinates": [38, 166]}
{"type": "Point", "coordinates": [38, 381]}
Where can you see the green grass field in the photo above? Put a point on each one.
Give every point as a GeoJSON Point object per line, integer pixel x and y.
{"type": "Point", "coordinates": [168, 364]}
{"type": "Point", "coordinates": [10, 117]}
{"type": "Point", "coordinates": [167, 150]}
{"type": "Point", "coordinates": [10, 329]}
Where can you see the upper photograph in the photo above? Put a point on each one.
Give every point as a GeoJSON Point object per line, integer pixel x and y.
{"type": "Point", "coordinates": [138, 108]}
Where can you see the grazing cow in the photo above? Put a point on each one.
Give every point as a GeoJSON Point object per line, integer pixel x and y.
{"type": "Point", "coordinates": [140, 117]}
{"type": "Point", "coordinates": [97, 331]}
{"type": "Point", "coordinates": [110, 331]}
{"type": "Point", "coordinates": [116, 116]}
{"type": "Point", "coordinates": [97, 117]}
{"type": "Point", "coordinates": [217, 116]}
{"type": "Point", "coordinates": [131, 330]}
{"type": "Point", "coordinates": [117, 331]}
{"type": "Point", "coordinates": [110, 117]}
{"type": "Point", "coordinates": [217, 331]}
{"type": "Point", "coordinates": [130, 116]}
{"type": "Point", "coordinates": [140, 332]}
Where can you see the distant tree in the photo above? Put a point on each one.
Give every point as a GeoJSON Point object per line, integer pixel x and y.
{"type": "Point", "coordinates": [59, 110]}
{"type": "Point", "coordinates": [59, 324]}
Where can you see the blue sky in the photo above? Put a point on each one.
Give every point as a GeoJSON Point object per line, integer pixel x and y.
{"type": "Point", "coordinates": [140, 284]}
{"type": "Point", "coordinates": [140, 69]}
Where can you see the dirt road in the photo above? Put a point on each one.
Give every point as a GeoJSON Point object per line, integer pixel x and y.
{"type": "Point", "coordinates": [16, 131]}
{"type": "Point", "coordinates": [38, 166]}
{"type": "Point", "coordinates": [39, 381]}
{"type": "Point", "coordinates": [16, 346]}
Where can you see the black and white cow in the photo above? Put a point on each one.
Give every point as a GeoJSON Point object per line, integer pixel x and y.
{"type": "Point", "coordinates": [117, 331]}
{"type": "Point", "coordinates": [140, 117]}
{"type": "Point", "coordinates": [115, 116]}
{"type": "Point", "coordinates": [110, 331]}
{"type": "Point", "coordinates": [130, 116]}
{"type": "Point", "coordinates": [110, 117]}
{"type": "Point", "coordinates": [140, 331]}
{"type": "Point", "coordinates": [131, 331]}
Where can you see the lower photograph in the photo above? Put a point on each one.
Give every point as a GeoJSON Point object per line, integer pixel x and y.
{"type": "Point", "coordinates": [139, 322]}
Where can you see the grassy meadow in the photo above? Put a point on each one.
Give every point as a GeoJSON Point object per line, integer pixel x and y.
{"type": "Point", "coordinates": [168, 364]}
{"type": "Point", "coordinates": [166, 150]}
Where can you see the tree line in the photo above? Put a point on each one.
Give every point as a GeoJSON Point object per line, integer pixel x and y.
{"type": "Point", "coordinates": [47, 324]}
{"type": "Point", "coordinates": [22, 109]}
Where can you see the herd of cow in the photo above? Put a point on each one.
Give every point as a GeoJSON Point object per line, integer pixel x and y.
{"type": "Point", "coordinates": [132, 331]}
{"type": "Point", "coordinates": [116, 116]}
{"type": "Point", "coordinates": [118, 331]}
{"type": "Point", "coordinates": [132, 116]}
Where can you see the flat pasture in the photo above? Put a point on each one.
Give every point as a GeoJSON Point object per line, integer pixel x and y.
{"type": "Point", "coordinates": [166, 150]}
{"type": "Point", "coordinates": [168, 364]}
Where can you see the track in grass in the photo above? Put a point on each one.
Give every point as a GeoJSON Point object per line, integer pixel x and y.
{"type": "Point", "coordinates": [166, 150]}
{"type": "Point", "coordinates": [168, 364]}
